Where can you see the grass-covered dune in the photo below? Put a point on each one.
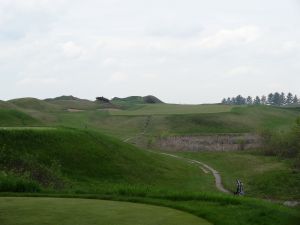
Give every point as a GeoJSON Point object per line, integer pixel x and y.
{"type": "Point", "coordinates": [11, 117]}
{"type": "Point", "coordinates": [85, 161]}
{"type": "Point", "coordinates": [34, 104]}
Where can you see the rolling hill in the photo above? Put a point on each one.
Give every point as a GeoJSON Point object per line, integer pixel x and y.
{"type": "Point", "coordinates": [34, 104]}
{"type": "Point", "coordinates": [82, 160]}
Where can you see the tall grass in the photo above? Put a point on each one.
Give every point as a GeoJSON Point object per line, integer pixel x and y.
{"type": "Point", "coordinates": [284, 144]}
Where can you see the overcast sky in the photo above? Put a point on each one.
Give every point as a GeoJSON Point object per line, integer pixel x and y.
{"type": "Point", "coordinates": [182, 51]}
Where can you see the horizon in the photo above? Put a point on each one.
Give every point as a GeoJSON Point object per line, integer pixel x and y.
{"type": "Point", "coordinates": [164, 102]}
{"type": "Point", "coordinates": [184, 52]}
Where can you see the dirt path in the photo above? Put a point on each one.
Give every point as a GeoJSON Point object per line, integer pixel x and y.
{"type": "Point", "coordinates": [216, 174]}
{"type": "Point", "coordinates": [204, 167]}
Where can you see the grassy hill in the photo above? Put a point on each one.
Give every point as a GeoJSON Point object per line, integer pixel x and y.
{"type": "Point", "coordinates": [6, 105]}
{"type": "Point", "coordinates": [132, 102]}
{"type": "Point", "coordinates": [11, 117]}
{"type": "Point", "coordinates": [80, 160]}
{"type": "Point", "coordinates": [34, 104]}
{"type": "Point", "coordinates": [72, 162]}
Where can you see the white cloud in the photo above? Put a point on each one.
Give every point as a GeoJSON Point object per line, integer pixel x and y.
{"type": "Point", "coordinates": [84, 43]}
{"type": "Point", "coordinates": [118, 77]}
{"type": "Point", "coordinates": [224, 37]}
{"type": "Point", "coordinates": [241, 70]}
{"type": "Point", "coordinates": [72, 50]}
{"type": "Point", "coordinates": [36, 81]}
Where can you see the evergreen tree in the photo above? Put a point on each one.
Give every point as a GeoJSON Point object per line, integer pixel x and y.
{"type": "Point", "coordinates": [289, 98]}
{"type": "Point", "coordinates": [240, 100]}
{"type": "Point", "coordinates": [296, 100]}
{"type": "Point", "coordinates": [224, 101]}
{"type": "Point", "coordinates": [276, 99]}
{"type": "Point", "coordinates": [263, 100]}
{"type": "Point", "coordinates": [233, 101]}
{"type": "Point", "coordinates": [257, 100]}
{"type": "Point", "coordinates": [249, 100]}
{"type": "Point", "coordinates": [271, 99]}
{"type": "Point", "coordinates": [282, 100]}
{"type": "Point", "coordinates": [229, 101]}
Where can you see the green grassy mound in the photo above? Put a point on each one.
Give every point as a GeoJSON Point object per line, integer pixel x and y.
{"type": "Point", "coordinates": [36, 211]}
{"type": "Point", "coordinates": [133, 100]}
{"type": "Point", "coordinates": [16, 118]}
{"type": "Point", "coordinates": [6, 105]}
{"type": "Point", "coordinates": [88, 162]}
{"type": "Point", "coordinates": [34, 104]}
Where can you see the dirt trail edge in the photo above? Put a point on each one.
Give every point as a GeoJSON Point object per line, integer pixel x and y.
{"type": "Point", "coordinates": [218, 179]}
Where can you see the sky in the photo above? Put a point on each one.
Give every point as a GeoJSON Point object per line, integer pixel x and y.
{"type": "Point", "coordinates": [188, 52]}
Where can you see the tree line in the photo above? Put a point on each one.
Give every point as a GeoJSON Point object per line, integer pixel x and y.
{"type": "Point", "coordinates": [277, 99]}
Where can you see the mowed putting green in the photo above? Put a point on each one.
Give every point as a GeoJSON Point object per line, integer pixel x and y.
{"type": "Point", "coordinates": [49, 211]}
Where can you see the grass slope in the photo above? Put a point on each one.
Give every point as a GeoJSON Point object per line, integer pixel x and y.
{"type": "Point", "coordinates": [36, 211]}
{"type": "Point", "coordinates": [237, 120]}
{"type": "Point", "coordinates": [34, 104]}
{"type": "Point", "coordinates": [16, 118]}
{"type": "Point", "coordinates": [85, 161]}
{"type": "Point", "coordinates": [266, 177]}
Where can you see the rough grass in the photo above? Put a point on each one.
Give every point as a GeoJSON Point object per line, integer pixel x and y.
{"type": "Point", "coordinates": [86, 161]}
{"type": "Point", "coordinates": [265, 177]}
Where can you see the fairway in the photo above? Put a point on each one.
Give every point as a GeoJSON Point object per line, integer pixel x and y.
{"type": "Point", "coordinates": [49, 211]}
{"type": "Point", "coordinates": [168, 109]}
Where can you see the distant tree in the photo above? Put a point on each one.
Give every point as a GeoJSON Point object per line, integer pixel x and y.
{"type": "Point", "coordinates": [249, 100]}
{"type": "Point", "coordinates": [228, 101]}
{"type": "Point", "coordinates": [282, 99]}
{"type": "Point", "coordinates": [271, 99]}
{"type": "Point", "coordinates": [102, 99]}
{"type": "Point", "coordinates": [296, 100]}
{"type": "Point", "coordinates": [240, 100]}
{"type": "Point", "coordinates": [256, 100]}
{"type": "Point", "coordinates": [263, 100]}
{"type": "Point", "coordinates": [289, 98]}
{"type": "Point", "coordinates": [224, 101]}
{"type": "Point", "coordinates": [233, 101]}
{"type": "Point", "coordinates": [276, 99]}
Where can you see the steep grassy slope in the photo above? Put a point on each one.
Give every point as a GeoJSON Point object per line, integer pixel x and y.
{"type": "Point", "coordinates": [74, 160]}
{"type": "Point", "coordinates": [16, 118]}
